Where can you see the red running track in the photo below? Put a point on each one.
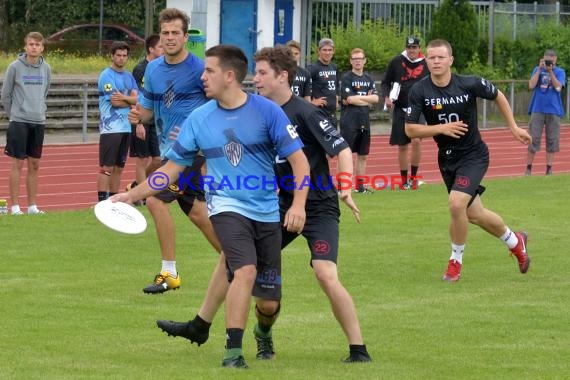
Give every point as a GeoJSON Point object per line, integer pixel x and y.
{"type": "Point", "coordinates": [68, 173]}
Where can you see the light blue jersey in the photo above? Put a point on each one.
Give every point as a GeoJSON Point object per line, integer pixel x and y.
{"type": "Point", "coordinates": [172, 92]}
{"type": "Point", "coordinates": [238, 143]}
{"type": "Point", "coordinates": [113, 119]}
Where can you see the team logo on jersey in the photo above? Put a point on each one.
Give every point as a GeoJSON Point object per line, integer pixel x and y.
{"type": "Point", "coordinates": [108, 87]}
{"type": "Point", "coordinates": [233, 148]}
{"type": "Point", "coordinates": [169, 95]}
{"type": "Point", "coordinates": [488, 85]}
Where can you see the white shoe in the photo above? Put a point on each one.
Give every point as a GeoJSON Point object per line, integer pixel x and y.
{"type": "Point", "coordinates": [35, 212]}
{"type": "Point", "coordinates": [18, 213]}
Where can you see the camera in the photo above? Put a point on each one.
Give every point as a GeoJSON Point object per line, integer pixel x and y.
{"type": "Point", "coordinates": [548, 62]}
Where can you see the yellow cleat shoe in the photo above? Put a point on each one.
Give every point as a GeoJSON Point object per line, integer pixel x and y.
{"type": "Point", "coordinates": [162, 283]}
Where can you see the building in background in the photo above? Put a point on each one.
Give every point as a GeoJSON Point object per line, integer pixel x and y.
{"type": "Point", "coordinates": [249, 24]}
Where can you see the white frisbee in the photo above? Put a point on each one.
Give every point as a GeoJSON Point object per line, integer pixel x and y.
{"type": "Point", "coordinates": [120, 216]}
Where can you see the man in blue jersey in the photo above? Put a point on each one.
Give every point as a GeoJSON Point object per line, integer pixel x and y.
{"type": "Point", "coordinates": [144, 140]}
{"type": "Point", "coordinates": [275, 68]}
{"type": "Point", "coordinates": [172, 90]}
{"type": "Point", "coordinates": [117, 93]}
{"type": "Point", "coordinates": [239, 134]}
{"type": "Point", "coordinates": [449, 103]}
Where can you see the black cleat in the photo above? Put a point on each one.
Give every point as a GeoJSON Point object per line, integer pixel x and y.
{"type": "Point", "coordinates": [237, 362]}
{"type": "Point", "coordinates": [184, 330]}
{"type": "Point", "coordinates": [265, 349]}
{"type": "Point", "coordinates": [357, 357]}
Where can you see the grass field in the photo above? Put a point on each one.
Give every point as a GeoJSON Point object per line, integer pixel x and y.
{"type": "Point", "coordinates": [72, 305]}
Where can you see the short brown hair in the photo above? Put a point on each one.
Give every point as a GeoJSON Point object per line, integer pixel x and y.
{"type": "Point", "coordinates": [231, 58]}
{"type": "Point", "coordinates": [119, 45]}
{"type": "Point", "coordinates": [356, 51]}
{"type": "Point", "coordinates": [294, 44]}
{"type": "Point", "coordinates": [34, 36]}
{"type": "Point", "coordinates": [171, 14]}
{"type": "Point", "coordinates": [440, 43]}
{"type": "Point", "coordinates": [280, 59]}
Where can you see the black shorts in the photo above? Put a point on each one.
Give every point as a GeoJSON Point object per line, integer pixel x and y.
{"type": "Point", "coordinates": [358, 139]}
{"type": "Point", "coordinates": [249, 242]}
{"type": "Point", "coordinates": [186, 195]}
{"type": "Point", "coordinates": [464, 170]}
{"type": "Point", "coordinates": [320, 231]}
{"type": "Point", "coordinates": [398, 134]}
{"type": "Point", "coordinates": [144, 148]}
{"type": "Point", "coordinates": [24, 140]}
{"type": "Point", "coordinates": [113, 149]}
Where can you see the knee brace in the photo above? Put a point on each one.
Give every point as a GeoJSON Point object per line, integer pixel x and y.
{"type": "Point", "coordinates": [268, 320]}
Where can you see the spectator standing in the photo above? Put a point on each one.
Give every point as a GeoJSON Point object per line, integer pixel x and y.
{"type": "Point", "coordinates": [144, 140]}
{"type": "Point", "coordinates": [24, 92]}
{"type": "Point", "coordinates": [325, 80]}
{"type": "Point", "coordinates": [545, 108]}
{"type": "Point", "coordinates": [117, 93]}
{"type": "Point", "coordinates": [302, 83]}
{"type": "Point", "coordinates": [358, 93]}
{"type": "Point", "coordinates": [403, 71]}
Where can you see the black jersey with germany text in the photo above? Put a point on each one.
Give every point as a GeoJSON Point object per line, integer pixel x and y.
{"type": "Point", "coordinates": [320, 139]}
{"type": "Point", "coordinates": [302, 83]}
{"type": "Point", "coordinates": [325, 83]}
{"type": "Point", "coordinates": [455, 102]}
{"type": "Point", "coordinates": [353, 84]}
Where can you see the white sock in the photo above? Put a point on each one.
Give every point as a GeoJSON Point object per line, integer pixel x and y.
{"type": "Point", "coordinates": [510, 239]}
{"type": "Point", "coordinates": [457, 252]}
{"type": "Point", "coordinates": [169, 266]}
{"type": "Point", "coordinates": [33, 209]}
{"type": "Point", "coordinates": [15, 209]}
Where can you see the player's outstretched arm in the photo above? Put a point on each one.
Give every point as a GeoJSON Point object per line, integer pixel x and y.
{"type": "Point", "coordinates": [519, 133]}
{"type": "Point", "coordinates": [155, 183]}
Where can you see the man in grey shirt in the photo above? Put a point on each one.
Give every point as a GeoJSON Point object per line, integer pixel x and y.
{"type": "Point", "coordinates": [24, 93]}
